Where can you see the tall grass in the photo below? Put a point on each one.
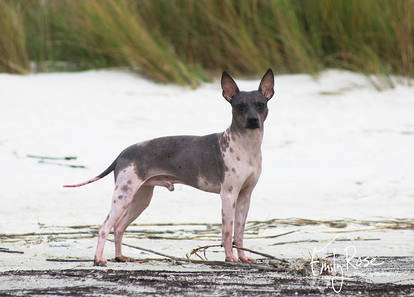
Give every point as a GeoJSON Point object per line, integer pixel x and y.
{"type": "Point", "coordinates": [188, 41]}
{"type": "Point", "coordinates": [14, 55]}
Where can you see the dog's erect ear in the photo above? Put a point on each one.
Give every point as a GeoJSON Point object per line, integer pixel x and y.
{"type": "Point", "coordinates": [267, 84]}
{"type": "Point", "coordinates": [229, 86]}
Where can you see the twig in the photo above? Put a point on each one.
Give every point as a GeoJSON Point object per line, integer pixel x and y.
{"type": "Point", "coordinates": [151, 251]}
{"type": "Point", "coordinates": [52, 158]}
{"type": "Point", "coordinates": [6, 250]}
{"type": "Point", "coordinates": [356, 230]}
{"type": "Point", "coordinates": [211, 263]}
{"type": "Point", "coordinates": [201, 258]}
{"type": "Point", "coordinates": [90, 260]}
{"type": "Point", "coordinates": [17, 235]}
{"type": "Point", "coordinates": [73, 227]}
{"type": "Point", "coordinates": [61, 164]}
{"type": "Point", "coordinates": [260, 253]}
{"type": "Point", "coordinates": [295, 241]}
{"type": "Point", "coordinates": [68, 260]}
{"type": "Point", "coordinates": [270, 236]}
{"type": "Point", "coordinates": [139, 236]}
{"type": "Point", "coordinates": [203, 248]}
{"type": "Point", "coordinates": [175, 224]}
{"type": "Point", "coordinates": [314, 240]}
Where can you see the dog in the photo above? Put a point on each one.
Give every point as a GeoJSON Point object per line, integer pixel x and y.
{"type": "Point", "coordinates": [227, 163]}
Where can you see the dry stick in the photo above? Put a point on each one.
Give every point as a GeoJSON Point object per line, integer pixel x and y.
{"type": "Point", "coordinates": [209, 238]}
{"type": "Point", "coordinates": [212, 263]}
{"type": "Point", "coordinates": [295, 241]}
{"type": "Point", "coordinates": [151, 251]}
{"type": "Point", "coordinates": [201, 258]}
{"type": "Point", "coordinates": [145, 260]}
{"type": "Point", "coordinates": [6, 250]}
{"type": "Point", "coordinates": [277, 235]}
{"type": "Point", "coordinates": [204, 248]}
{"type": "Point", "coordinates": [381, 228]}
{"type": "Point", "coordinates": [261, 254]}
{"type": "Point", "coordinates": [90, 260]}
{"type": "Point", "coordinates": [68, 260]}
{"type": "Point", "coordinates": [17, 235]}
{"type": "Point", "coordinates": [61, 164]}
{"type": "Point", "coordinates": [176, 224]}
{"type": "Point", "coordinates": [52, 158]}
{"type": "Point", "coordinates": [72, 227]}
{"type": "Point", "coordinates": [314, 240]}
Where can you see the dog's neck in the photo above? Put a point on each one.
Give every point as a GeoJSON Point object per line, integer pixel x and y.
{"type": "Point", "coordinates": [248, 139]}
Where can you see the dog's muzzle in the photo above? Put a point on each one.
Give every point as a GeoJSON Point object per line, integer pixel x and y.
{"type": "Point", "coordinates": [252, 123]}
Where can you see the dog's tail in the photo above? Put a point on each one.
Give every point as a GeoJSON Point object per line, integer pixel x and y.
{"type": "Point", "coordinates": [105, 173]}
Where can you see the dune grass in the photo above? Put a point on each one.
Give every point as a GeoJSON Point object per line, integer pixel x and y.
{"type": "Point", "coordinates": [190, 41]}
{"type": "Point", "coordinates": [13, 52]}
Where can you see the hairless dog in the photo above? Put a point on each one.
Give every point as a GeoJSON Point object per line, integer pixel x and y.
{"type": "Point", "coordinates": [227, 163]}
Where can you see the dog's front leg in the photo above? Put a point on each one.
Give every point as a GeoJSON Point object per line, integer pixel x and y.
{"type": "Point", "coordinates": [242, 208]}
{"type": "Point", "coordinates": [228, 205]}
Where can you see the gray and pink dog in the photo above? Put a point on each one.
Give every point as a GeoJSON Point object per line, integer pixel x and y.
{"type": "Point", "coordinates": [227, 163]}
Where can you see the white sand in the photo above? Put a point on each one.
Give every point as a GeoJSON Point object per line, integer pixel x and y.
{"type": "Point", "coordinates": [333, 147]}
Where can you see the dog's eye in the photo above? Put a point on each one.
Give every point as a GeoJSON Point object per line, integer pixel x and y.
{"type": "Point", "coordinates": [241, 108]}
{"type": "Point", "coordinates": [260, 106]}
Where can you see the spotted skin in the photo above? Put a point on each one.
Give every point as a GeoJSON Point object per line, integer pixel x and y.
{"type": "Point", "coordinates": [227, 163]}
{"type": "Point", "coordinates": [141, 200]}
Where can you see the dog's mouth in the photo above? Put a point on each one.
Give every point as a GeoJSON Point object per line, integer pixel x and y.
{"type": "Point", "coordinates": [252, 126]}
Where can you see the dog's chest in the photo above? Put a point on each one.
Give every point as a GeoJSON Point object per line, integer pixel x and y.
{"type": "Point", "coordinates": [242, 159]}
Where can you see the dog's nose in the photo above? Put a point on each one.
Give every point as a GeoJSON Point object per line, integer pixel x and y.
{"type": "Point", "coordinates": [253, 120]}
{"type": "Point", "coordinates": [252, 123]}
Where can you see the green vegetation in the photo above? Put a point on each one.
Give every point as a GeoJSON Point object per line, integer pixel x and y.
{"type": "Point", "coordinates": [188, 41]}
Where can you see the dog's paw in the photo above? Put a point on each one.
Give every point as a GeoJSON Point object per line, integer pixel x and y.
{"type": "Point", "coordinates": [101, 262]}
{"type": "Point", "coordinates": [247, 260]}
{"type": "Point", "coordinates": [232, 259]}
{"type": "Point", "coordinates": [124, 259]}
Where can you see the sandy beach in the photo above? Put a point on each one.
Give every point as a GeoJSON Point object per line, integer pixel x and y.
{"type": "Point", "coordinates": [338, 178]}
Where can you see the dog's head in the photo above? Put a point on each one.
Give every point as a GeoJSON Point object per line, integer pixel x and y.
{"type": "Point", "coordinates": [249, 108]}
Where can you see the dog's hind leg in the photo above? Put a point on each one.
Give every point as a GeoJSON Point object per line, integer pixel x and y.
{"type": "Point", "coordinates": [127, 185]}
{"type": "Point", "coordinates": [141, 200]}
